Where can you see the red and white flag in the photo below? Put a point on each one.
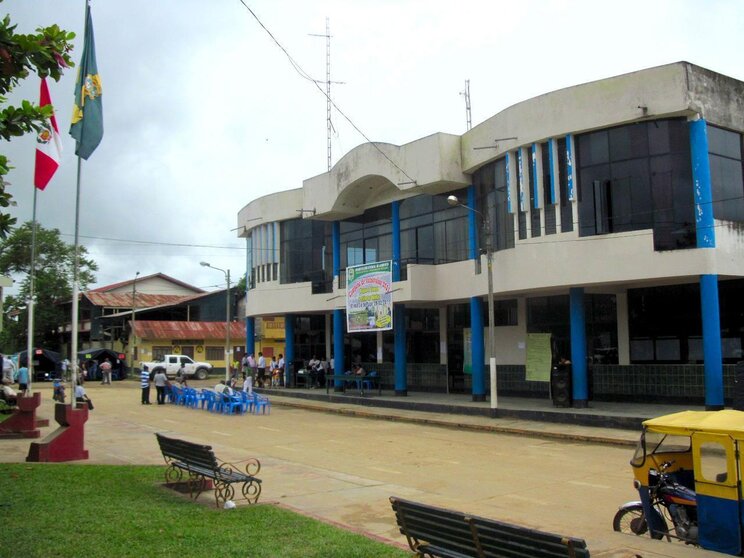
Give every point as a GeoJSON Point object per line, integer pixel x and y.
{"type": "Point", "coordinates": [48, 145]}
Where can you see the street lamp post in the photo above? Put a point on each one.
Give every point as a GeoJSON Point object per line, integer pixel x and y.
{"type": "Point", "coordinates": [227, 319]}
{"type": "Point", "coordinates": [452, 200]}
{"type": "Point", "coordinates": [134, 321]}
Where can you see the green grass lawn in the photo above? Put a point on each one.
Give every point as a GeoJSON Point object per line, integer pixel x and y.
{"type": "Point", "coordinates": [111, 511]}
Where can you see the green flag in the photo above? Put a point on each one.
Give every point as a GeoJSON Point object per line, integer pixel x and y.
{"type": "Point", "coordinates": [87, 114]}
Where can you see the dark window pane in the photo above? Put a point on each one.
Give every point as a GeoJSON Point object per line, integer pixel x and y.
{"type": "Point", "coordinates": [628, 142]}
{"type": "Point", "coordinates": [728, 188]}
{"type": "Point", "coordinates": [723, 142]}
{"type": "Point", "coordinates": [594, 149]}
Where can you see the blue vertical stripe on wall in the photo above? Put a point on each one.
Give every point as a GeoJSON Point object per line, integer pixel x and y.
{"type": "Point", "coordinates": [478, 349]}
{"type": "Point", "coordinates": [551, 162]}
{"type": "Point", "coordinates": [535, 189]}
{"type": "Point", "coordinates": [336, 245]}
{"type": "Point", "coordinates": [396, 240]}
{"type": "Point", "coordinates": [569, 167]}
{"type": "Point", "coordinates": [289, 349]}
{"type": "Point", "coordinates": [472, 225]}
{"type": "Point", "coordinates": [338, 345]}
{"type": "Point", "coordinates": [399, 346]}
{"type": "Point", "coordinates": [711, 342]}
{"type": "Point", "coordinates": [520, 180]}
{"type": "Point", "coordinates": [702, 187]}
{"type": "Point", "coordinates": [578, 346]}
{"type": "Point", "coordinates": [509, 207]}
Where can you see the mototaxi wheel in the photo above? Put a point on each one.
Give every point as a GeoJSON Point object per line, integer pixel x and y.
{"type": "Point", "coordinates": [630, 520]}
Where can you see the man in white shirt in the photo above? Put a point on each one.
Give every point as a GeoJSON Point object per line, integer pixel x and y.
{"type": "Point", "coordinates": [261, 370]}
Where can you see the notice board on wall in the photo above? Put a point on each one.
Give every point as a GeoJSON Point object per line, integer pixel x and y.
{"type": "Point", "coordinates": [539, 357]}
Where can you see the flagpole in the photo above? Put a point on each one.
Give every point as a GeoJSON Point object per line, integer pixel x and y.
{"type": "Point", "coordinates": [75, 290]}
{"type": "Point", "coordinates": [31, 300]}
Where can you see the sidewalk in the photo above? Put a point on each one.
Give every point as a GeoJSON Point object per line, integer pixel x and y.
{"type": "Point", "coordinates": [602, 422]}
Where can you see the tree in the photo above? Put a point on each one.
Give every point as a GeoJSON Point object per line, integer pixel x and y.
{"type": "Point", "coordinates": [46, 53]}
{"type": "Point", "coordinates": [53, 284]}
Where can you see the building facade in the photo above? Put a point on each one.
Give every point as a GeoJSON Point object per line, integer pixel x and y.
{"type": "Point", "coordinates": [615, 212]}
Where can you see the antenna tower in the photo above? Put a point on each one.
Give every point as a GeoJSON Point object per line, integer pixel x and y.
{"type": "Point", "coordinates": [466, 94]}
{"type": "Point", "coordinates": [328, 82]}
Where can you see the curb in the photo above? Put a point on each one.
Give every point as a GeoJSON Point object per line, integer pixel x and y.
{"type": "Point", "coordinates": [524, 432]}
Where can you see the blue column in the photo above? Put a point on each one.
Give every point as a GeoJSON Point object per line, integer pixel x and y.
{"type": "Point", "coordinates": [338, 346]}
{"type": "Point", "coordinates": [578, 347]}
{"type": "Point", "coordinates": [702, 188]}
{"type": "Point", "coordinates": [711, 342]}
{"type": "Point", "coordinates": [399, 342]}
{"type": "Point", "coordinates": [706, 238]}
{"type": "Point", "coordinates": [472, 227]}
{"type": "Point", "coordinates": [396, 240]}
{"type": "Point", "coordinates": [289, 352]}
{"type": "Point", "coordinates": [250, 336]}
{"type": "Point", "coordinates": [336, 245]}
{"type": "Point", "coordinates": [478, 355]}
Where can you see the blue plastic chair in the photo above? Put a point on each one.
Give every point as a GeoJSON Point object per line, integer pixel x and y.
{"type": "Point", "coordinates": [247, 401]}
{"type": "Point", "coordinates": [232, 404]}
{"type": "Point", "coordinates": [261, 403]}
{"type": "Point", "coordinates": [368, 384]}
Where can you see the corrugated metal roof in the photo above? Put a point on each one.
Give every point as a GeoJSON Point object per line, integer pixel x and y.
{"type": "Point", "coordinates": [142, 300]}
{"type": "Point", "coordinates": [151, 329]}
{"type": "Point", "coordinates": [130, 281]}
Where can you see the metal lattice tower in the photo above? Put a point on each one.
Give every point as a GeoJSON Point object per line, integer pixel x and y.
{"type": "Point", "coordinates": [468, 116]}
{"type": "Point", "coordinates": [328, 82]}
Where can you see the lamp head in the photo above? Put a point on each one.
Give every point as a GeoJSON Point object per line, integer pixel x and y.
{"type": "Point", "coordinates": [204, 264]}
{"type": "Point", "coordinates": [452, 200]}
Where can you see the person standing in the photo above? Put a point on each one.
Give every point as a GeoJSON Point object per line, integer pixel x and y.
{"type": "Point", "coordinates": [7, 367]}
{"type": "Point", "coordinates": [93, 370]}
{"type": "Point", "coordinates": [248, 385]}
{"type": "Point", "coordinates": [280, 366]}
{"type": "Point", "coordinates": [161, 382]}
{"type": "Point", "coordinates": [145, 384]}
{"type": "Point", "coordinates": [261, 370]}
{"type": "Point", "coordinates": [106, 372]}
{"type": "Point", "coordinates": [181, 376]}
{"type": "Point", "coordinates": [22, 378]}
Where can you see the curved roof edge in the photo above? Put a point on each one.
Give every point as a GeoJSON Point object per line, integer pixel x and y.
{"type": "Point", "coordinates": [278, 206]}
{"type": "Point", "coordinates": [375, 173]}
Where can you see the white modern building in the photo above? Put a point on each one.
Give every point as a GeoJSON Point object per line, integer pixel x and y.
{"type": "Point", "coordinates": [616, 212]}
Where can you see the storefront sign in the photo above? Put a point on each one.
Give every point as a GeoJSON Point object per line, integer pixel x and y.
{"type": "Point", "coordinates": [369, 298]}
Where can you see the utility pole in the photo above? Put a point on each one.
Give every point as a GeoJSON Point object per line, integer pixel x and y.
{"type": "Point", "coordinates": [328, 82]}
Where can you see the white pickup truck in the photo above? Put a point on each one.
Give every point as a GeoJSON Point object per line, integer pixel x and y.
{"type": "Point", "coordinates": [171, 363]}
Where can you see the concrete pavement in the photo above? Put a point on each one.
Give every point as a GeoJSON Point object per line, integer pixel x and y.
{"type": "Point", "coordinates": [316, 459]}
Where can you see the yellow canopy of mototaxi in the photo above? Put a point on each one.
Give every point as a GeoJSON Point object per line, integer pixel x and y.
{"type": "Point", "coordinates": [685, 423]}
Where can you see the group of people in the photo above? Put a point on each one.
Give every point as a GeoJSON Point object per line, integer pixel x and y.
{"type": "Point", "coordinates": [159, 379]}
{"type": "Point", "coordinates": [262, 371]}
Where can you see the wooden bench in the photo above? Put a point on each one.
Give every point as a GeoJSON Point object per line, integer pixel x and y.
{"type": "Point", "coordinates": [200, 464]}
{"type": "Point", "coordinates": [353, 380]}
{"type": "Point", "coordinates": [433, 531]}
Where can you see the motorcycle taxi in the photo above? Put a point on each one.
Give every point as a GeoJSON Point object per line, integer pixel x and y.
{"type": "Point", "coordinates": [688, 474]}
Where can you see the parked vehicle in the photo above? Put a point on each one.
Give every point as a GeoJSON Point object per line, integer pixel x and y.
{"type": "Point", "coordinates": [688, 472]}
{"type": "Point", "coordinates": [171, 363]}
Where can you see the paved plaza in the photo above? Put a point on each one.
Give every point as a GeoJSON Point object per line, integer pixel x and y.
{"type": "Point", "coordinates": [340, 462]}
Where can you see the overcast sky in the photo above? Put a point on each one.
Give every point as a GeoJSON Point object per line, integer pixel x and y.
{"type": "Point", "coordinates": [203, 112]}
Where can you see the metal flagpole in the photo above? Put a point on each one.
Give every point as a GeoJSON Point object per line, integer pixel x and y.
{"type": "Point", "coordinates": [31, 301]}
{"type": "Point", "coordinates": [75, 272]}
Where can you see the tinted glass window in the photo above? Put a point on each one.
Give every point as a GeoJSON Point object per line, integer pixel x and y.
{"type": "Point", "coordinates": [726, 174]}
{"type": "Point", "coordinates": [643, 183]}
